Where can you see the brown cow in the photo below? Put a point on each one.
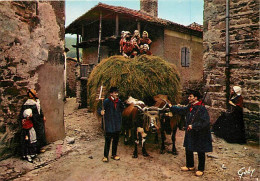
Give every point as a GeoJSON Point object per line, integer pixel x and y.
{"type": "Point", "coordinates": [143, 119]}
{"type": "Point", "coordinates": [168, 122]}
{"type": "Point", "coordinates": [129, 115]}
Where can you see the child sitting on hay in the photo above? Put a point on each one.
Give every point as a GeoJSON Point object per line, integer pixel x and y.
{"type": "Point", "coordinates": [144, 50]}
{"type": "Point", "coordinates": [145, 39]}
{"type": "Point", "coordinates": [130, 47]}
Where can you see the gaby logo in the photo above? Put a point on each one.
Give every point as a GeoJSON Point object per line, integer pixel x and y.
{"type": "Point", "coordinates": [243, 172]}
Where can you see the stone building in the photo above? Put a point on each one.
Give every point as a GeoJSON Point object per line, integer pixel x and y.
{"type": "Point", "coordinates": [178, 44]}
{"type": "Point", "coordinates": [231, 56]}
{"type": "Point", "coordinates": [31, 56]}
{"type": "Point", "coordinates": [70, 77]}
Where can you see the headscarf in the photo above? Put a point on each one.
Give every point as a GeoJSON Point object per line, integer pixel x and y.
{"type": "Point", "coordinates": [147, 46]}
{"type": "Point", "coordinates": [145, 32]}
{"type": "Point", "coordinates": [33, 100]}
{"type": "Point", "coordinates": [27, 113]}
{"type": "Point", "coordinates": [32, 94]}
{"type": "Point", "coordinates": [237, 90]}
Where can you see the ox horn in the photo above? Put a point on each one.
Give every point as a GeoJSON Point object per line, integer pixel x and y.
{"type": "Point", "coordinates": [140, 108]}
{"type": "Point", "coordinates": [166, 104]}
{"type": "Point", "coordinates": [155, 108]}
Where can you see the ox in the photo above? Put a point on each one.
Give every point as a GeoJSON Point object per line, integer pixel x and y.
{"type": "Point", "coordinates": [130, 115]}
{"type": "Point", "coordinates": [143, 119]}
{"type": "Point", "coordinates": [168, 122]}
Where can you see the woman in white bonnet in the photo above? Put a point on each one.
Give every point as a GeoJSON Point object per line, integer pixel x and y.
{"type": "Point", "coordinates": [38, 118]}
{"type": "Point", "coordinates": [230, 126]}
{"type": "Point", "coordinates": [28, 137]}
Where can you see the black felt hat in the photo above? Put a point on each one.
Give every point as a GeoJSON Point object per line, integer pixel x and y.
{"type": "Point", "coordinates": [195, 93]}
{"type": "Point", "coordinates": [113, 89]}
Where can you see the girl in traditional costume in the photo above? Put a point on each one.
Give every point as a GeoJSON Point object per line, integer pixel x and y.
{"type": "Point", "coordinates": [28, 137]}
{"type": "Point", "coordinates": [38, 118]}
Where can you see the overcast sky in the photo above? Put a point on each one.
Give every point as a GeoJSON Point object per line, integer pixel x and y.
{"type": "Point", "coordinates": [183, 12]}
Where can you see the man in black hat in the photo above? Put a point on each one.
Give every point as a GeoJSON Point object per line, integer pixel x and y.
{"type": "Point", "coordinates": [112, 112]}
{"type": "Point", "coordinates": [197, 132]}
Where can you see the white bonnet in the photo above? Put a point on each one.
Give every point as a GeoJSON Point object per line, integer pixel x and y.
{"type": "Point", "coordinates": [237, 90]}
{"type": "Point", "coordinates": [27, 113]}
{"type": "Point", "coordinates": [147, 46]}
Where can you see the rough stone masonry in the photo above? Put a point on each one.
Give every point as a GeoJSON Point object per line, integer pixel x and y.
{"type": "Point", "coordinates": [244, 57]}
{"type": "Point", "coordinates": [31, 56]}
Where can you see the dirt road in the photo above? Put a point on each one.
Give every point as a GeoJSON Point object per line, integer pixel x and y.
{"type": "Point", "coordinates": [81, 160]}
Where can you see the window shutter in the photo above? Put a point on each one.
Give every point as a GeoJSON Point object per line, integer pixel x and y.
{"type": "Point", "coordinates": [83, 70]}
{"type": "Point", "coordinates": [187, 57]}
{"type": "Point", "coordinates": [183, 57]}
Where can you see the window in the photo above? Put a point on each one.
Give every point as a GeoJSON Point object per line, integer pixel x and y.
{"type": "Point", "coordinates": [85, 70]}
{"type": "Point", "coordinates": [185, 57]}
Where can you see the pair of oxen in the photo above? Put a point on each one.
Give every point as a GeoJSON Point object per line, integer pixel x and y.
{"type": "Point", "coordinates": [140, 120]}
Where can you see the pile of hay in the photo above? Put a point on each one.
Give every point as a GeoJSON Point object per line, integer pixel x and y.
{"type": "Point", "coordinates": [141, 77]}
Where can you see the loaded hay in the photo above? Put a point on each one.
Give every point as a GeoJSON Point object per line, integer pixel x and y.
{"type": "Point", "coordinates": [141, 77]}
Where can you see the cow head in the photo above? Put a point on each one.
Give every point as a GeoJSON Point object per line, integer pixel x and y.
{"type": "Point", "coordinates": [151, 115]}
{"type": "Point", "coordinates": [161, 101]}
{"type": "Point", "coordinates": [151, 119]}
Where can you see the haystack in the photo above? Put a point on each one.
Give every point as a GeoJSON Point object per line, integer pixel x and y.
{"type": "Point", "coordinates": [141, 77]}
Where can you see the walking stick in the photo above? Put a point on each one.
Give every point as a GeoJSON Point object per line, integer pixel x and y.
{"type": "Point", "coordinates": [101, 97]}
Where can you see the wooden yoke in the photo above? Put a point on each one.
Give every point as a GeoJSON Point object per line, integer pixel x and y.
{"type": "Point", "coordinates": [101, 96]}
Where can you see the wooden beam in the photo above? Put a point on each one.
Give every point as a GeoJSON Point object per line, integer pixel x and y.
{"type": "Point", "coordinates": [77, 48]}
{"type": "Point", "coordinates": [65, 75]}
{"type": "Point", "coordinates": [139, 26]}
{"type": "Point", "coordinates": [82, 33]}
{"type": "Point", "coordinates": [99, 37]}
{"type": "Point", "coordinates": [117, 25]}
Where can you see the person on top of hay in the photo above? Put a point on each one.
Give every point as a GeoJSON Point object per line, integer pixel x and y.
{"type": "Point", "coordinates": [136, 42]}
{"type": "Point", "coordinates": [197, 132]}
{"type": "Point", "coordinates": [136, 37]}
{"type": "Point", "coordinates": [122, 41]}
{"type": "Point", "coordinates": [145, 39]}
{"type": "Point", "coordinates": [130, 50]}
{"type": "Point", "coordinates": [112, 112]}
{"type": "Point", "coordinates": [144, 50]}
{"type": "Point", "coordinates": [136, 50]}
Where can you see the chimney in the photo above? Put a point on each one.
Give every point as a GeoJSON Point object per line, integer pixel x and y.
{"type": "Point", "coordinates": [150, 7]}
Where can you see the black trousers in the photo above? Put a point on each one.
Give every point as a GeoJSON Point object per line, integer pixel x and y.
{"type": "Point", "coordinates": [190, 160]}
{"type": "Point", "coordinates": [108, 137]}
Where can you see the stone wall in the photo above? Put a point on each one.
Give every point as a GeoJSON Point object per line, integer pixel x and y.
{"type": "Point", "coordinates": [31, 56]}
{"type": "Point", "coordinates": [244, 57]}
{"type": "Point", "coordinates": [149, 6]}
{"type": "Point", "coordinates": [71, 78]}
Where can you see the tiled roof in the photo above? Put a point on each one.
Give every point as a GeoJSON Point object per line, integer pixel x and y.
{"type": "Point", "coordinates": [138, 14]}
{"type": "Point", "coordinates": [141, 15]}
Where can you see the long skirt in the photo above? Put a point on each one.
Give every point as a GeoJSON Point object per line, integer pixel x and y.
{"type": "Point", "coordinates": [230, 127]}
{"type": "Point", "coordinates": [28, 142]}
